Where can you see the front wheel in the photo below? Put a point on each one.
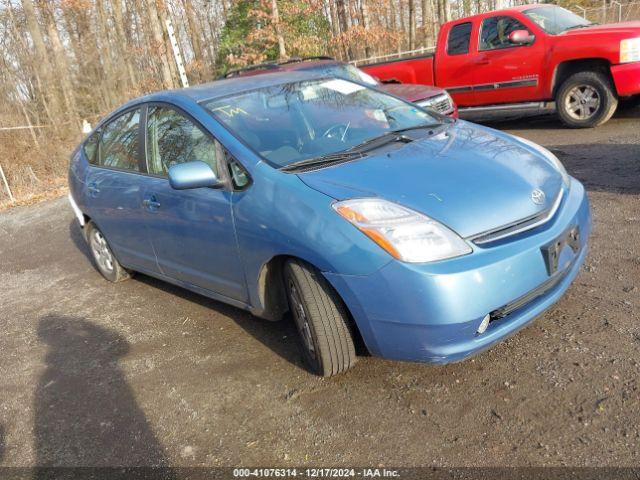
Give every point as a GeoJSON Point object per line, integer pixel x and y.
{"type": "Point", "coordinates": [321, 319]}
{"type": "Point", "coordinates": [586, 100]}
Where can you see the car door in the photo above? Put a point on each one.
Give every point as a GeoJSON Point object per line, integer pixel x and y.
{"type": "Point", "coordinates": [506, 72]}
{"type": "Point", "coordinates": [452, 64]}
{"type": "Point", "coordinates": [191, 231]}
{"type": "Point", "coordinates": [113, 190]}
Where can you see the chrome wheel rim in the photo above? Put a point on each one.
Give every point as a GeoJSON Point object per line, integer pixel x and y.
{"type": "Point", "coordinates": [301, 319]}
{"type": "Point", "coordinates": [582, 102]}
{"type": "Point", "coordinates": [101, 251]}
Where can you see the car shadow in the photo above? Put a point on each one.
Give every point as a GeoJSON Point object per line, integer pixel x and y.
{"type": "Point", "coordinates": [86, 414]}
{"type": "Point", "coordinates": [280, 337]}
{"type": "Point", "coordinates": [603, 167]}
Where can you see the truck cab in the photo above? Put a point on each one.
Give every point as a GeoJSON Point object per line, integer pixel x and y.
{"type": "Point", "coordinates": [530, 53]}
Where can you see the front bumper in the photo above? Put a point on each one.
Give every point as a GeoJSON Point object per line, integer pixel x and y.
{"type": "Point", "coordinates": [626, 78]}
{"type": "Point", "coordinates": [431, 312]}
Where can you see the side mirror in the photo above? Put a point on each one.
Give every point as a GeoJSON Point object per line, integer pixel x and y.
{"type": "Point", "coordinates": [521, 37]}
{"type": "Point", "coordinates": [195, 174]}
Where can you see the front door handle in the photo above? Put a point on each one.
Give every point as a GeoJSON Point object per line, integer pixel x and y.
{"type": "Point", "coordinates": [93, 189]}
{"type": "Point", "coordinates": [151, 203]}
{"type": "Point", "coordinates": [483, 60]}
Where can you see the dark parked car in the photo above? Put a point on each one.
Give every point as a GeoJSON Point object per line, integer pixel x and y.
{"type": "Point", "coordinates": [423, 95]}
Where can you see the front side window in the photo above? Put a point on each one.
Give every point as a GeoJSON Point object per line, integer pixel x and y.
{"type": "Point", "coordinates": [496, 30]}
{"type": "Point", "coordinates": [301, 120]}
{"type": "Point", "coordinates": [459, 39]}
{"type": "Point", "coordinates": [172, 138]}
{"type": "Point", "coordinates": [119, 142]}
{"type": "Point", "coordinates": [555, 20]}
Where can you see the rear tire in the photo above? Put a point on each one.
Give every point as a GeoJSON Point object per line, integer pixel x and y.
{"type": "Point", "coordinates": [586, 100]}
{"type": "Point", "coordinates": [103, 257]}
{"type": "Point", "coordinates": [321, 319]}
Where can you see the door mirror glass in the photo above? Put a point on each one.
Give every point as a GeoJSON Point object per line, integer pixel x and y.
{"type": "Point", "coordinates": [194, 174]}
{"type": "Point", "coordinates": [521, 37]}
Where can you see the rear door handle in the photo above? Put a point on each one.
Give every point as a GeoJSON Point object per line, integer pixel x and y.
{"type": "Point", "coordinates": [151, 203]}
{"type": "Point", "coordinates": [93, 189]}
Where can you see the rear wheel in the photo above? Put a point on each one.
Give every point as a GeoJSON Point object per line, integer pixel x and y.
{"type": "Point", "coordinates": [103, 257]}
{"type": "Point", "coordinates": [585, 100]}
{"type": "Point", "coordinates": [321, 319]}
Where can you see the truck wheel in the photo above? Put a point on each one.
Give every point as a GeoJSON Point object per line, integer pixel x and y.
{"type": "Point", "coordinates": [585, 100]}
{"type": "Point", "coordinates": [321, 319]}
{"type": "Point", "coordinates": [103, 257]}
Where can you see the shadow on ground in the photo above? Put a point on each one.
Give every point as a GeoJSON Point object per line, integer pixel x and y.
{"type": "Point", "coordinates": [281, 337]}
{"type": "Point", "coordinates": [85, 412]}
{"type": "Point", "coordinates": [603, 167]}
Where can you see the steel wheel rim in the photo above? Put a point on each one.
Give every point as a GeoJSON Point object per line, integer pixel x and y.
{"type": "Point", "coordinates": [582, 102]}
{"type": "Point", "coordinates": [301, 319]}
{"type": "Point", "coordinates": [101, 251]}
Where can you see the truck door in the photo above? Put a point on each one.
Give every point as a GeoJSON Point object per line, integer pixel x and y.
{"type": "Point", "coordinates": [506, 72]}
{"type": "Point", "coordinates": [452, 69]}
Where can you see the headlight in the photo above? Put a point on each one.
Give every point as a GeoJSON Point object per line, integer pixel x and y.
{"type": "Point", "coordinates": [442, 103]}
{"type": "Point", "coordinates": [630, 50]}
{"type": "Point", "coordinates": [405, 234]}
{"type": "Point", "coordinates": [549, 156]}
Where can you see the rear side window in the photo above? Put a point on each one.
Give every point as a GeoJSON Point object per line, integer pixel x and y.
{"type": "Point", "coordinates": [459, 38]}
{"type": "Point", "coordinates": [90, 148]}
{"type": "Point", "coordinates": [119, 142]}
{"type": "Point", "coordinates": [173, 138]}
{"type": "Point", "coordinates": [496, 30]}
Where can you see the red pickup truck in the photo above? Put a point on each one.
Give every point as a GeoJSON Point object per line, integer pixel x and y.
{"type": "Point", "coordinates": [529, 55]}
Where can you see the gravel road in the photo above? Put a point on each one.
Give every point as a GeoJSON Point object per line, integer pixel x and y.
{"type": "Point", "coordinates": [143, 373]}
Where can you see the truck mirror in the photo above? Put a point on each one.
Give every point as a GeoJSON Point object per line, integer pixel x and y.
{"type": "Point", "coordinates": [521, 37]}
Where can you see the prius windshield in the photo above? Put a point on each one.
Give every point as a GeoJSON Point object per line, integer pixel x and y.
{"type": "Point", "coordinates": [294, 122]}
{"type": "Point", "coordinates": [555, 20]}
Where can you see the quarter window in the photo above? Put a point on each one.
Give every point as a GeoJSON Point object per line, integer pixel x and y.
{"type": "Point", "coordinates": [496, 30]}
{"type": "Point", "coordinates": [90, 148]}
{"type": "Point", "coordinates": [119, 142]}
{"type": "Point", "coordinates": [172, 139]}
{"type": "Point", "coordinates": [459, 38]}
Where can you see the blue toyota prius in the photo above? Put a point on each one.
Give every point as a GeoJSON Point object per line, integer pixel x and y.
{"type": "Point", "coordinates": [361, 214]}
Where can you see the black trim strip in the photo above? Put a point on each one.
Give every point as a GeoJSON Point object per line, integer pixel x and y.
{"type": "Point", "coordinates": [494, 86]}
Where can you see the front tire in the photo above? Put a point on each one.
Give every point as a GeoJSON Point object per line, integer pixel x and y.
{"type": "Point", "coordinates": [321, 319]}
{"type": "Point", "coordinates": [586, 100]}
{"type": "Point", "coordinates": [103, 257]}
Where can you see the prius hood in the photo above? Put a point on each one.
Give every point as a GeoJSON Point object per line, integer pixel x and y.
{"type": "Point", "coordinates": [470, 178]}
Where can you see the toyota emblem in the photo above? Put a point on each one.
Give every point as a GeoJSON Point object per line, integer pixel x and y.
{"type": "Point", "coordinates": [537, 196]}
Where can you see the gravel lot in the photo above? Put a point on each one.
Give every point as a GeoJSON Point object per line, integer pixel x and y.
{"type": "Point", "coordinates": [143, 373]}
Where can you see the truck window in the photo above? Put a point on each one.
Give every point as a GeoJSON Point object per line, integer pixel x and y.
{"type": "Point", "coordinates": [459, 38]}
{"type": "Point", "coordinates": [495, 32]}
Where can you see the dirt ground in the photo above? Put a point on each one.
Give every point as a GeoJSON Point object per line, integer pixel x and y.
{"type": "Point", "coordinates": [143, 373]}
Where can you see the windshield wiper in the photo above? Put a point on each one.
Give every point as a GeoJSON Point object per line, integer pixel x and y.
{"type": "Point", "coordinates": [418, 127]}
{"type": "Point", "coordinates": [579, 26]}
{"type": "Point", "coordinates": [357, 151]}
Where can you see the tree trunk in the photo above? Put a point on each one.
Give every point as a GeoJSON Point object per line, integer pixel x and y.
{"type": "Point", "coordinates": [62, 66]}
{"type": "Point", "coordinates": [159, 44]}
{"type": "Point", "coordinates": [275, 15]}
{"type": "Point", "coordinates": [412, 25]}
{"type": "Point", "coordinates": [43, 69]}
{"type": "Point", "coordinates": [194, 38]}
{"type": "Point", "coordinates": [122, 43]}
{"type": "Point", "coordinates": [344, 26]}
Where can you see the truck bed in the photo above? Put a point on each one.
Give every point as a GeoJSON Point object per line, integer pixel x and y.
{"type": "Point", "coordinates": [418, 69]}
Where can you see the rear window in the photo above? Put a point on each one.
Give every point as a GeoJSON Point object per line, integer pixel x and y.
{"type": "Point", "coordinates": [459, 38]}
